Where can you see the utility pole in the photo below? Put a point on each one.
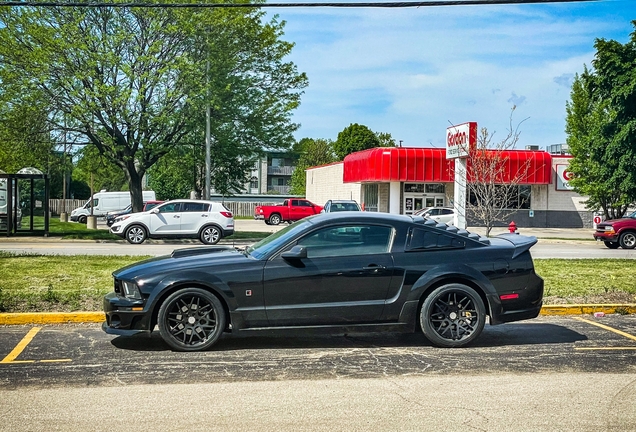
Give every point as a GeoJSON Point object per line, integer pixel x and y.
{"type": "Point", "coordinates": [206, 192]}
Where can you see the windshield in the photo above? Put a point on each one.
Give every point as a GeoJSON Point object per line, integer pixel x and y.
{"type": "Point", "coordinates": [264, 247]}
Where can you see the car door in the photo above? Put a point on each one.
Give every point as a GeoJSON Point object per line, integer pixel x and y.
{"type": "Point", "coordinates": [344, 279]}
{"type": "Point", "coordinates": [193, 216]}
{"type": "Point", "coordinates": [166, 219]}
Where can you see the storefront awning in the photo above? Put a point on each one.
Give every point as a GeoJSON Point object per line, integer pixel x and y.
{"type": "Point", "coordinates": [429, 165]}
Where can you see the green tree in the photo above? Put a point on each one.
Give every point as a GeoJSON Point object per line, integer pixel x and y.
{"type": "Point", "coordinates": [386, 140]}
{"type": "Point", "coordinates": [601, 128]}
{"type": "Point", "coordinates": [313, 152]}
{"type": "Point", "coordinates": [136, 81]}
{"type": "Point", "coordinates": [24, 137]}
{"type": "Point", "coordinates": [93, 167]}
{"type": "Point", "coordinates": [354, 138]}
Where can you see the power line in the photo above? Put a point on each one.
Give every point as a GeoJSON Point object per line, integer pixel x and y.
{"type": "Point", "coordinates": [403, 4]}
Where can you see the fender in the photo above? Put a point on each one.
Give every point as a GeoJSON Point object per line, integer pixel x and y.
{"type": "Point", "coordinates": [456, 273]}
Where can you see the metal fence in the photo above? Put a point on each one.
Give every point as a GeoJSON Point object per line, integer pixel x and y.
{"type": "Point", "coordinates": [236, 207]}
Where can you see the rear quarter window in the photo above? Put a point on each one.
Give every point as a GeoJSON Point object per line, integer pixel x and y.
{"type": "Point", "coordinates": [423, 239]}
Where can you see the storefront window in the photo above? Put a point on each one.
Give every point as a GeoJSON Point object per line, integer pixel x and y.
{"type": "Point", "coordinates": [413, 187]}
{"type": "Point", "coordinates": [435, 188]}
{"type": "Point", "coordinates": [517, 197]}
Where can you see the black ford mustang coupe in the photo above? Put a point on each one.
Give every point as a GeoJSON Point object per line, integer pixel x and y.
{"type": "Point", "coordinates": [345, 271]}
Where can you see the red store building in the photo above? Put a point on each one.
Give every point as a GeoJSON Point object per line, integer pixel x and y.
{"type": "Point", "coordinates": [403, 180]}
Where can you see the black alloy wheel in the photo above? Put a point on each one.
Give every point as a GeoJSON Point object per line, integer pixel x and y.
{"type": "Point", "coordinates": [210, 235]}
{"type": "Point", "coordinates": [191, 319]}
{"type": "Point", "coordinates": [275, 219]}
{"type": "Point", "coordinates": [136, 234]}
{"type": "Point", "coordinates": [611, 245]}
{"type": "Point", "coordinates": [628, 240]}
{"type": "Point", "coordinates": [452, 316]}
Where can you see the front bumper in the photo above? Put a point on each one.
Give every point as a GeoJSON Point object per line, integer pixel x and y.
{"type": "Point", "coordinates": [121, 319]}
{"type": "Point", "coordinates": [74, 218]}
{"type": "Point", "coordinates": [610, 236]}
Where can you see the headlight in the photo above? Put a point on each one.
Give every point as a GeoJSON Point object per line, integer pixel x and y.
{"type": "Point", "coordinates": [121, 218]}
{"type": "Point", "coordinates": [130, 290]}
{"type": "Point", "coordinates": [609, 228]}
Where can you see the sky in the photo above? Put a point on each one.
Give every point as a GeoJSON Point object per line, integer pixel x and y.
{"type": "Point", "coordinates": [412, 72]}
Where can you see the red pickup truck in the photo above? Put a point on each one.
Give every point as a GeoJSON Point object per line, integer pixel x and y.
{"type": "Point", "coordinates": [290, 210]}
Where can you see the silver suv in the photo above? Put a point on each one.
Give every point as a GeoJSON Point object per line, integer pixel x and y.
{"type": "Point", "coordinates": [208, 221]}
{"type": "Point", "coordinates": [340, 205]}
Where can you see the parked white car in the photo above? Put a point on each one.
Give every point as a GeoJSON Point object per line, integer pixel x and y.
{"type": "Point", "coordinates": [208, 221]}
{"type": "Point", "coordinates": [440, 214]}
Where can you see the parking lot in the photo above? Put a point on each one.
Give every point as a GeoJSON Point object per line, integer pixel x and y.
{"type": "Point", "coordinates": [69, 354]}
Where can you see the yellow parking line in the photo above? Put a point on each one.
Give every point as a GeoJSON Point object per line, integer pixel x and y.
{"type": "Point", "coordinates": [608, 328]}
{"type": "Point", "coordinates": [21, 346]}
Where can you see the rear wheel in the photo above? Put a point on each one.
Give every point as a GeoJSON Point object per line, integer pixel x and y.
{"type": "Point", "coordinates": [452, 316]}
{"type": "Point", "coordinates": [628, 240]}
{"type": "Point", "coordinates": [611, 245]}
{"type": "Point", "coordinates": [210, 235]}
{"type": "Point", "coordinates": [136, 234]}
{"type": "Point", "coordinates": [191, 319]}
{"type": "Point", "coordinates": [275, 219]}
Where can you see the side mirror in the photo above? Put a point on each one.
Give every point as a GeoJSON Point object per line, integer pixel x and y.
{"type": "Point", "coordinates": [154, 210]}
{"type": "Point", "coordinates": [295, 253]}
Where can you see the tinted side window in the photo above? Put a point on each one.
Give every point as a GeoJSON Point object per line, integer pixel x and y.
{"type": "Point", "coordinates": [194, 207]}
{"type": "Point", "coordinates": [348, 240]}
{"type": "Point", "coordinates": [425, 239]}
{"type": "Point", "coordinates": [170, 208]}
{"type": "Point", "coordinates": [295, 203]}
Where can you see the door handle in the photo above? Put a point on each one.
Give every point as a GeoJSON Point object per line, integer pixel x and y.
{"type": "Point", "coordinates": [176, 216]}
{"type": "Point", "coordinates": [374, 267]}
{"type": "Point", "coordinates": [204, 215]}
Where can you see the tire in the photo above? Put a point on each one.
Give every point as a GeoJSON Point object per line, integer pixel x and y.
{"type": "Point", "coordinates": [191, 319]}
{"type": "Point", "coordinates": [628, 240]}
{"type": "Point", "coordinates": [274, 219]}
{"type": "Point", "coordinates": [210, 235]}
{"type": "Point", "coordinates": [452, 316]}
{"type": "Point", "coordinates": [136, 234]}
{"type": "Point", "coordinates": [82, 219]}
{"type": "Point", "coordinates": [266, 222]}
{"type": "Point", "coordinates": [611, 245]}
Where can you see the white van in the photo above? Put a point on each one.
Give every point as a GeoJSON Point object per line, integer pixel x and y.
{"type": "Point", "coordinates": [103, 202]}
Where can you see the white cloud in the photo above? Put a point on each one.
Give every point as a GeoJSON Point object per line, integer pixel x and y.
{"type": "Point", "coordinates": [412, 71]}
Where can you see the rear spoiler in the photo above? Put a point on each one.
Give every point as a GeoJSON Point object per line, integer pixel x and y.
{"type": "Point", "coordinates": [521, 243]}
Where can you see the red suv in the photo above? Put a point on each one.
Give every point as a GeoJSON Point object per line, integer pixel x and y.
{"type": "Point", "coordinates": [618, 232]}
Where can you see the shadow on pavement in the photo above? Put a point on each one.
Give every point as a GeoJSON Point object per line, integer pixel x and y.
{"type": "Point", "coordinates": [505, 335]}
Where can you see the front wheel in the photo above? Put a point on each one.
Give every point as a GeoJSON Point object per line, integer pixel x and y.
{"type": "Point", "coordinates": [275, 219]}
{"type": "Point", "coordinates": [210, 235]}
{"type": "Point", "coordinates": [82, 219]}
{"type": "Point", "coordinates": [628, 240]}
{"type": "Point", "coordinates": [452, 316]}
{"type": "Point", "coordinates": [136, 234]}
{"type": "Point", "coordinates": [611, 245]}
{"type": "Point", "coordinates": [191, 319]}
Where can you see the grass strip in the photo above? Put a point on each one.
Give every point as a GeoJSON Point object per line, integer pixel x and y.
{"type": "Point", "coordinates": [56, 283]}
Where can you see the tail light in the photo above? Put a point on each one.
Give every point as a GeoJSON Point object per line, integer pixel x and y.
{"type": "Point", "coordinates": [226, 214]}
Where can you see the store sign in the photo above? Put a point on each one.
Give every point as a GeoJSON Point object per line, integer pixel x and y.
{"type": "Point", "coordinates": [563, 177]}
{"type": "Point", "coordinates": [460, 139]}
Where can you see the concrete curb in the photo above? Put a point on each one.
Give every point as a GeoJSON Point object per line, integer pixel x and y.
{"type": "Point", "coordinates": [51, 318]}
{"type": "Point", "coordinates": [588, 309]}
{"type": "Point", "coordinates": [98, 317]}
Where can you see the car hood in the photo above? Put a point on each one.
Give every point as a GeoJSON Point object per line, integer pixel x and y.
{"type": "Point", "coordinates": [621, 220]}
{"type": "Point", "coordinates": [179, 259]}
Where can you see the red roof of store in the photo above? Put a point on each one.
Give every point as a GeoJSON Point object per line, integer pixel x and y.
{"type": "Point", "coordinates": [404, 164]}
